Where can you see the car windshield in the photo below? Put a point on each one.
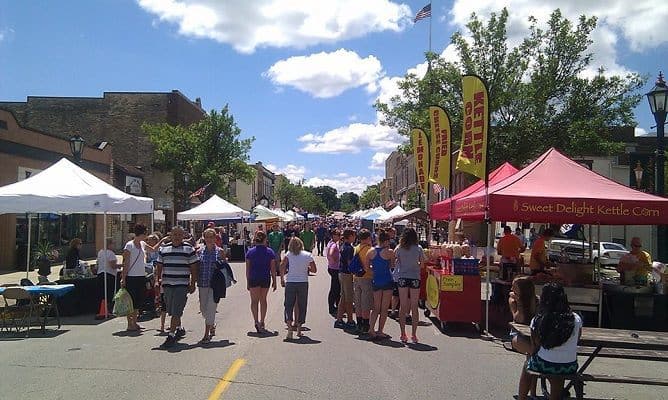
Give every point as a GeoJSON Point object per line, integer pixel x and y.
{"type": "Point", "coordinates": [613, 246]}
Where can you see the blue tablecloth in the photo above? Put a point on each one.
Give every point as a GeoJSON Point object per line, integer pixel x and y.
{"type": "Point", "coordinates": [56, 290]}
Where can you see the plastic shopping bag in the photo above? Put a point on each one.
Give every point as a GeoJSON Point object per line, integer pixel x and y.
{"type": "Point", "coordinates": [123, 303]}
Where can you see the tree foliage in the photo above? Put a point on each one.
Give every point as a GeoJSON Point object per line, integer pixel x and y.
{"type": "Point", "coordinates": [540, 96]}
{"type": "Point", "coordinates": [307, 198]}
{"type": "Point", "coordinates": [370, 196]}
{"type": "Point", "coordinates": [328, 195]}
{"type": "Point", "coordinates": [349, 202]}
{"type": "Point", "coordinates": [206, 152]}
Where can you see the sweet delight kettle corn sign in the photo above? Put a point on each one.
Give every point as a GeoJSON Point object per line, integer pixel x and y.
{"type": "Point", "coordinates": [473, 152]}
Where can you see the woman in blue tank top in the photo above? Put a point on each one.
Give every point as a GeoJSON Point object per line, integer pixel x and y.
{"type": "Point", "coordinates": [381, 259]}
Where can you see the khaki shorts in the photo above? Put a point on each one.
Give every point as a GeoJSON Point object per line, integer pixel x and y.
{"type": "Point", "coordinates": [346, 281]}
{"type": "Point", "coordinates": [363, 295]}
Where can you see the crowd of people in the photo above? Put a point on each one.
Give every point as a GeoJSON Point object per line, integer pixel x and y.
{"type": "Point", "coordinates": [373, 275]}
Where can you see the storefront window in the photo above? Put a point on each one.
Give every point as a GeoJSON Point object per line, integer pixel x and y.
{"type": "Point", "coordinates": [57, 229]}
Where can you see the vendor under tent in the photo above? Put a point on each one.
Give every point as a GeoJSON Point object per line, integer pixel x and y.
{"type": "Point", "coordinates": [556, 189]}
{"type": "Point", "coordinates": [442, 211]}
{"type": "Point", "coordinates": [66, 188]}
{"type": "Point", "coordinates": [215, 208]}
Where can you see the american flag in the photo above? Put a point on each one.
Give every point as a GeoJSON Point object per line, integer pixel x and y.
{"type": "Point", "coordinates": [200, 191]}
{"type": "Point", "coordinates": [423, 13]}
{"type": "Point", "coordinates": [437, 188]}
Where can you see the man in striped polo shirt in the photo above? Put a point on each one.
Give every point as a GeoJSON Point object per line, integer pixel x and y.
{"type": "Point", "coordinates": [177, 270]}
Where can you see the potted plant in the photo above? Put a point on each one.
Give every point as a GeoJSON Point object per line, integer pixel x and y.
{"type": "Point", "coordinates": [45, 253]}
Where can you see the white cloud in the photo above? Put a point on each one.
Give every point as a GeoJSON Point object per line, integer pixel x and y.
{"type": "Point", "coordinates": [248, 25]}
{"type": "Point", "coordinates": [294, 173]}
{"type": "Point", "coordinates": [352, 139]}
{"type": "Point", "coordinates": [640, 131]}
{"type": "Point", "coordinates": [640, 22]}
{"type": "Point", "coordinates": [346, 183]}
{"type": "Point", "coordinates": [327, 74]}
{"type": "Point", "coordinates": [378, 161]}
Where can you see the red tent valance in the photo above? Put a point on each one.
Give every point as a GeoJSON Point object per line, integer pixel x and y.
{"type": "Point", "coordinates": [557, 189]}
{"type": "Point", "coordinates": [441, 211]}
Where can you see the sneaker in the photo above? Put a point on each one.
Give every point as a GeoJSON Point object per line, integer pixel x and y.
{"type": "Point", "coordinates": [289, 335]}
{"type": "Point", "coordinates": [169, 342]}
{"type": "Point", "coordinates": [350, 325]}
{"type": "Point", "coordinates": [338, 324]}
{"type": "Point", "coordinates": [180, 332]}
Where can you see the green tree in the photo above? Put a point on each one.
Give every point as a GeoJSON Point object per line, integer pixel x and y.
{"type": "Point", "coordinates": [285, 192]}
{"type": "Point", "coordinates": [307, 199]}
{"type": "Point", "coordinates": [328, 195]}
{"type": "Point", "coordinates": [414, 200]}
{"type": "Point", "coordinates": [349, 202]}
{"type": "Point", "coordinates": [370, 196]}
{"type": "Point", "coordinates": [539, 97]}
{"type": "Point", "coordinates": [208, 152]}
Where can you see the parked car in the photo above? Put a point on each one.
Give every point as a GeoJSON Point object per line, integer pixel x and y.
{"type": "Point", "coordinates": [605, 253]}
{"type": "Point", "coordinates": [608, 253]}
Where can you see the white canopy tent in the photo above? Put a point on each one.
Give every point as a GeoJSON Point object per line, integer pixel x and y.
{"type": "Point", "coordinates": [262, 213]}
{"type": "Point", "coordinates": [395, 212]}
{"type": "Point", "coordinates": [285, 217]}
{"type": "Point", "coordinates": [66, 188]}
{"type": "Point", "coordinates": [296, 216]}
{"type": "Point", "coordinates": [214, 208]}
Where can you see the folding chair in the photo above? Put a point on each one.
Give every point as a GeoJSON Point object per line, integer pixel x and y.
{"type": "Point", "coordinates": [21, 313]}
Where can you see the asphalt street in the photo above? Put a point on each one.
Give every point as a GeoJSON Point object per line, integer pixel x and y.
{"type": "Point", "coordinates": [89, 359]}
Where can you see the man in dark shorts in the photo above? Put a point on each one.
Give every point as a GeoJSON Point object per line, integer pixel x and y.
{"type": "Point", "coordinates": [177, 271]}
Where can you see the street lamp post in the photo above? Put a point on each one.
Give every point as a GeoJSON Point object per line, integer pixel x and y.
{"type": "Point", "coordinates": [77, 147]}
{"type": "Point", "coordinates": [658, 104]}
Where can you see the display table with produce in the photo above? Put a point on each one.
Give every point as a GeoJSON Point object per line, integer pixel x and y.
{"type": "Point", "coordinates": [453, 293]}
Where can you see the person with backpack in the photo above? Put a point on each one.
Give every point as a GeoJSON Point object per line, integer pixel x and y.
{"type": "Point", "coordinates": [381, 260]}
{"type": "Point", "coordinates": [346, 282]}
{"type": "Point", "coordinates": [362, 275]}
{"type": "Point", "coordinates": [555, 332]}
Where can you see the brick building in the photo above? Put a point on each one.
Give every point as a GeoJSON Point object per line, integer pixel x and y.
{"type": "Point", "coordinates": [24, 152]}
{"type": "Point", "coordinates": [260, 191]}
{"type": "Point", "coordinates": [116, 118]}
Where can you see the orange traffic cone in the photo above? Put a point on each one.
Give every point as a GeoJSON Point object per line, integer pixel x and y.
{"type": "Point", "coordinates": [103, 310]}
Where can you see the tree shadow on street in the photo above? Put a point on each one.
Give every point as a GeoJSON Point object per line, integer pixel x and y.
{"type": "Point", "coordinates": [126, 333]}
{"type": "Point", "coordinates": [35, 333]}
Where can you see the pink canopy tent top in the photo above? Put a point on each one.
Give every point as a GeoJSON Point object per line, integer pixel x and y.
{"type": "Point", "coordinates": [442, 211]}
{"type": "Point", "coordinates": [557, 189]}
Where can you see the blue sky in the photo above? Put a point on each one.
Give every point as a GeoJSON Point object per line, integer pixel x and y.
{"type": "Point", "coordinates": [299, 75]}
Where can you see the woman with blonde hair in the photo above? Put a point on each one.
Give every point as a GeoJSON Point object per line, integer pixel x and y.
{"type": "Point", "coordinates": [296, 284]}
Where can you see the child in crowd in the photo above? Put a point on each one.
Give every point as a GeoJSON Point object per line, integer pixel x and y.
{"type": "Point", "coordinates": [555, 331]}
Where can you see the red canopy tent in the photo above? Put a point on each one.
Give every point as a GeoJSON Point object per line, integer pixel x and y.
{"type": "Point", "coordinates": [557, 189]}
{"type": "Point", "coordinates": [441, 211]}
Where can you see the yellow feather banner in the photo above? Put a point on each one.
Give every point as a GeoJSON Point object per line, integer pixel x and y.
{"type": "Point", "coordinates": [473, 152]}
{"type": "Point", "coordinates": [421, 156]}
{"type": "Point", "coordinates": [440, 147]}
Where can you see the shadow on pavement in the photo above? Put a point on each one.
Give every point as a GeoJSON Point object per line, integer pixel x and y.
{"type": "Point", "coordinates": [34, 334]}
{"type": "Point", "coordinates": [421, 347]}
{"type": "Point", "coordinates": [302, 340]}
{"type": "Point", "coordinates": [126, 333]}
{"type": "Point", "coordinates": [262, 335]}
{"type": "Point", "coordinates": [85, 319]}
{"type": "Point", "coordinates": [389, 343]}
{"type": "Point", "coordinates": [180, 346]}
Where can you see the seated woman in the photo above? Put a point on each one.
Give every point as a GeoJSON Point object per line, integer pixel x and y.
{"type": "Point", "coordinates": [72, 257]}
{"type": "Point", "coordinates": [522, 302]}
{"type": "Point", "coordinates": [555, 331]}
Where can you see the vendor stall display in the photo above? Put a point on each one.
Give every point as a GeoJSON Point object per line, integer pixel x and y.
{"type": "Point", "coordinates": [453, 291]}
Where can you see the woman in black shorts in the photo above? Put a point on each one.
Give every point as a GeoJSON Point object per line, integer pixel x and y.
{"type": "Point", "coordinates": [260, 273]}
{"type": "Point", "coordinates": [410, 259]}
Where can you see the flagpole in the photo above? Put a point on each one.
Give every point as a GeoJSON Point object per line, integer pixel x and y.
{"type": "Point", "coordinates": [430, 14]}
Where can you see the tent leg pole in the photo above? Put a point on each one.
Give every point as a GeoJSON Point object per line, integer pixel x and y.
{"type": "Point", "coordinates": [487, 256]}
{"type": "Point", "coordinates": [153, 222]}
{"type": "Point", "coordinates": [104, 247]}
{"type": "Point", "coordinates": [28, 252]}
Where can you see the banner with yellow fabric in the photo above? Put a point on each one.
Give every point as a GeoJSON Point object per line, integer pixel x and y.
{"type": "Point", "coordinates": [421, 156]}
{"type": "Point", "coordinates": [473, 152]}
{"type": "Point", "coordinates": [440, 147]}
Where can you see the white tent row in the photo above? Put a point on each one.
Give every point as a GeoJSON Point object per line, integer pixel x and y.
{"type": "Point", "coordinates": [215, 208]}
{"type": "Point", "coordinates": [395, 212]}
{"type": "Point", "coordinates": [66, 188]}
{"type": "Point", "coordinates": [296, 216]}
{"type": "Point", "coordinates": [285, 217]}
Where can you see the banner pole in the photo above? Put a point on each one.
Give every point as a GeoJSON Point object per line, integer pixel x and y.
{"type": "Point", "coordinates": [104, 238]}
{"type": "Point", "coordinates": [29, 238]}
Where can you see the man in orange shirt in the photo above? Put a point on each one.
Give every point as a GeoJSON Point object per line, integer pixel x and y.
{"type": "Point", "coordinates": [539, 260]}
{"type": "Point", "coordinates": [509, 248]}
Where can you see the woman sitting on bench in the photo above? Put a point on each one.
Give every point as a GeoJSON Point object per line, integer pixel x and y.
{"type": "Point", "coordinates": [555, 331]}
{"type": "Point", "coordinates": [523, 303]}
